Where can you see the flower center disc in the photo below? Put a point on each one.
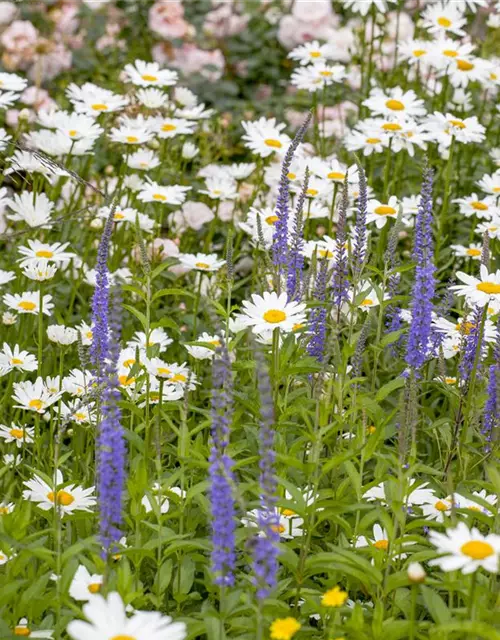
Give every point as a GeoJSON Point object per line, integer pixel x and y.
{"type": "Point", "coordinates": [488, 287]}
{"type": "Point", "coordinates": [99, 107]}
{"type": "Point", "coordinates": [444, 22]}
{"type": "Point", "coordinates": [477, 549]}
{"type": "Point", "coordinates": [159, 196]}
{"type": "Point", "coordinates": [372, 140]}
{"type": "Point", "coordinates": [94, 587]}
{"type": "Point", "coordinates": [17, 433]}
{"type": "Point", "coordinates": [15, 361]}
{"type": "Point", "coordinates": [479, 206]}
{"type": "Point", "coordinates": [419, 52]}
{"type": "Point", "coordinates": [132, 139]}
{"type": "Point", "coordinates": [464, 65]}
{"type": "Point", "coordinates": [457, 123]}
{"type": "Point", "coordinates": [273, 316]}
{"type": "Point", "coordinates": [335, 175]}
{"type": "Point", "coordinates": [148, 78]}
{"type": "Point", "coordinates": [385, 210]}
{"type": "Point", "coordinates": [168, 127]}
{"type": "Point", "coordinates": [22, 631]}
{"type": "Point", "coordinates": [271, 219]}
{"type": "Point", "coordinates": [35, 404]}
{"type": "Point", "coordinates": [395, 105]}
{"type": "Point", "coordinates": [450, 53]}
{"type": "Point", "coordinates": [61, 497]}
{"type": "Point", "coordinates": [441, 506]}
{"type": "Point", "coordinates": [27, 305]}
{"type": "Point", "coordinates": [271, 142]}
{"type": "Point", "coordinates": [381, 544]}
{"type": "Point", "coordinates": [473, 252]}
{"type": "Point", "coordinates": [202, 265]}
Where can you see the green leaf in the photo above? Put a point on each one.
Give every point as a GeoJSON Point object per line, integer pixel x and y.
{"type": "Point", "coordinates": [172, 292]}
{"type": "Point", "coordinates": [435, 605]}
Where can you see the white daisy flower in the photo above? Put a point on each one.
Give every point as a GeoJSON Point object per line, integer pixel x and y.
{"type": "Point", "coordinates": [466, 550]}
{"type": "Point", "coordinates": [22, 629]}
{"type": "Point", "coordinates": [154, 192]}
{"type": "Point", "coordinates": [28, 302]}
{"type": "Point", "coordinates": [162, 502]}
{"type": "Point", "coordinates": [14, 358]}
{"type": "Point", "coordinates": [310, 53]}
{"type": "Point", "coordinates": [157, 338]}
{"type": "Point", "coordinates": [265, 137]}
{"type": "Point", "coordinates": [62, 335]}
{"type": "Point", "coordinates": [68, 497]}
{"type": "Point", "coordinates": [12, 82]}
{"type": "Point", "coordinates": [19, 435]}
{"type": "Point", "coordinates": [108, 619]}
{"type": "Point", "coordinates": [34, 396]}
{"type": "Point", "coordinates": [144, 160]}
{"type": "Point", "coordinates": [201, 261]}
{"type": "Point", "coordinates": [368, 142]}
{"type": "Point", "coordinates": [490, 184]}
{"type": "Point", "coordinates": [204, 353]}
{"type": "Point", "coordinates": [43, 251]}
{"type": "Point", "coordinates": [436, 509]}
{"type": "Point", "coordinates": [220, 188]}
{"type": "Point", "coordinates": [364, 6]}
{"type": "Point", "coordinates": [479, 291]}
{"type": "Point", "coordinates": [149, 74]}
{"type": "Point", "coordinates": [395, 102]}
{"type": "Point", "coordinates": [316, 76]}
{"type": "Point", "coordinates": [379, 212]}
{"type": "Point", "coordinates": [196, 112]}
{"type": "Point", "coordinates": [35, 212]}
{"type": "Point", "coordinates": [445, 127]}
{"type": "Point", "coordinates": [152, 98]}
{"type": "Point", "coordinates": [6, 508]}
{"type": "Point", "coordinates": [415, 51]}
{"type": "Point", "coordinates": [473, 251]}
{"type": "Point", "coordinates": [74, 125]}
{"type": "Point", "coordinates": [94, 100]}
{"type": "Point", "coordinates": [40, 270]}
{"type": "Point", "coordinates": [473, 205]}
{"type": "Point", "coordinates": [288, 527]}
{"type": "Point", "coordinates": [84, 585]}
{"type": "Point", "coordinates": [272, 311]}
{"type": "Point", "coordinates": [443, 17]}
{"type": "Point", "coordinates": [166, 128]}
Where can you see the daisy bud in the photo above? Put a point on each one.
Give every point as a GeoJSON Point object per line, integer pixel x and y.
{"type": "Point", "coordinates": [416, 572]}
{"type": "Point", "coordinates": [189, 151]}
{"type": "Point", "coordinates": [24, 114]}
{"type": "Point", "coordinates": [9, 318]}
{"type": "Point", "coordinates": [109, 170]}
{"type": "Point", "coordinates": [153, 144]}
{"type": "Point", "coordinates": [97, 224]}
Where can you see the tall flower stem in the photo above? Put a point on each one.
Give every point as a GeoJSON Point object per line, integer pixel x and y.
{"type": "Point", "coordinates": [40, 331]}
{"type": "Point", "coordinates": [442, 223]}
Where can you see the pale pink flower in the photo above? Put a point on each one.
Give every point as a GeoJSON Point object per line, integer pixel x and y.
{"type": "Point", "coordinates": [223, 22]}
{"type": "Point", "coordinates": [167, 19]}
{"type": "Point", "coordinates": [191, 59]}
{"type": "Point", "coordinates": [19, 36]}
{"type": "Point", "coordinates": [8, 12]}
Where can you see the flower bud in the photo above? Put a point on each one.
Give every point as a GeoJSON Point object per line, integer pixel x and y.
{"type": "Point", "coordinates": [416, 572]}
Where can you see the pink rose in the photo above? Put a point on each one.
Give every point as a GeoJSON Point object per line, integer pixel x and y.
{"type": "Point", "coordinates": [38, 99]}
{"type": "Point", "coordinates": [193, 215]}
{"type": "Point", "coordinates": [190, 59]}
{"type": "Point", "coordinates": [167, 19]}
{"type": "Point", "coordinates": [222, 22]}
{"type": "Point", "coordinates": [21, 35]}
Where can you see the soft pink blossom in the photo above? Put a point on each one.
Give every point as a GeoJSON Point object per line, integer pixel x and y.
{"type": "Point", "coordinates": [19, 36]}
{"type": "Point", "coordinates": [167, 19]}
{"type": "Point", "coordinates": [8, 12]}
{"type": "Point", "coordinates": [191, 59]}
{"type": "Point", "coordinates": [223, 22]}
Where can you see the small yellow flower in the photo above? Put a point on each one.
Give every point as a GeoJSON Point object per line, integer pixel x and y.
{"type": "Point", "coordinates": [284, 628]}
{"type": "Point", "coordinates": [334, 597]}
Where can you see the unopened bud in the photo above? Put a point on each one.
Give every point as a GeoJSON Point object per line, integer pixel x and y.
{"type": "Point", "coordinates": [416, 572]}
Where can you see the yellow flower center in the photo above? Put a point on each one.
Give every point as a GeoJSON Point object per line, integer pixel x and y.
{"type": "Point", "coordinates": [312, 192]}
{"type": "Point", "coordinates": [35, 404]}
{"type": "Point", "coordinates": [272, 142]}
{"type": "Point", "coordinates": [381, 544]}
{"type": "Point", "coordinates": [315, 54]}
{"type": "Point", "coordinates": [99, 107]}
{"type": "Point", "coordinates": [419, 52]}
{"type": "Point", "coordinates": [335, 175]}
{"type": "Point", "coordinates": [273, 316]}
{"type": "Point", "coordinates": [324, 253]}
{"type": "Point", "coordinates": [122, 637]}
{"type": "Point", "coordinates": [271, 219]}
{"type": "Point", "coordinates": [128, 363]}
{"type": "Point", "coordinates": [457, 123]}
{"type": "Point", "coordinates": [395, 105]}
{"type": "Point", "coordinates": [61, 497]}
{"type": "Point", "coordinates": [163, 371]}
{"type": "Point", "coordinates": [44, 253]}
{"type": "Point", "coordinates": [278, 528]}
{"type": "Point", "coordinates": [178, 377]}
{"type": "Point", "coordinates": [444, 22]}
{"type": "Point", "coordinates": [202, 265]}
{"type": "Point", "coordinates": [149, 78]}
{"type": "Point", "coordinates": [372, 140]}
{"type": "Point", "coordinates": [94, 587]}
{"type": "Point", "coordinates": [479, 206]}
{"type": "Point", "coordinates": [118, 216]}
{"type": "Point", "coordinates": [442, 506]}
{"type": "Point", "coordinates": [4, 511]}
{"type": "Point", "coordinates": [132, 139]}
{"type": "Point", "coordinates": [372, 429]}
{"type": "Point", "coordinates": [450, 53]}
{"type": "Point", "coordinates": [22, 630]}
{"type": "Point", "coordinates": [473, 252]}
{"type": "Point", "coordinates": [79, 416]}
{"type": "Point", "coordinates": [465, 65]}
{"type": "Point", "coordinates": [367, 302]}
{"type": "Point", "coordinates": [450, 380]}
{"type": "Point", "coordinates": [297, 326]}
{"type": "Point", "coordinates": [216, 343]}
{"type": "Point", "coordinates": [89, 335]}
{"type": "Point", "coordinates": [15, 361]}
{"type": "Point", "coordinates": [125, 380]}
{"type": "Point", "coordinates": [490, 288]}
{"type": "Point", "coordinates": [288, 513]}
{"type": "Point", "coordinates": [291, 176]}
{"type": "Point", "coordinates": [392, 126]}
{"type": "Point", "coordinates": [496, 189]}
{"type": "Point", "coordinates": [477, 549]}
{"type": "Point", "coordinates": [159, 196]}
{"type": "Point", "coordinates": [385, 210]}
{"type": "Point", "coordinates": [326, 74]}
{"type": "Point", "coordinates": [169, 127]}
{"type": "Point", "coordinates": [17, 433]}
